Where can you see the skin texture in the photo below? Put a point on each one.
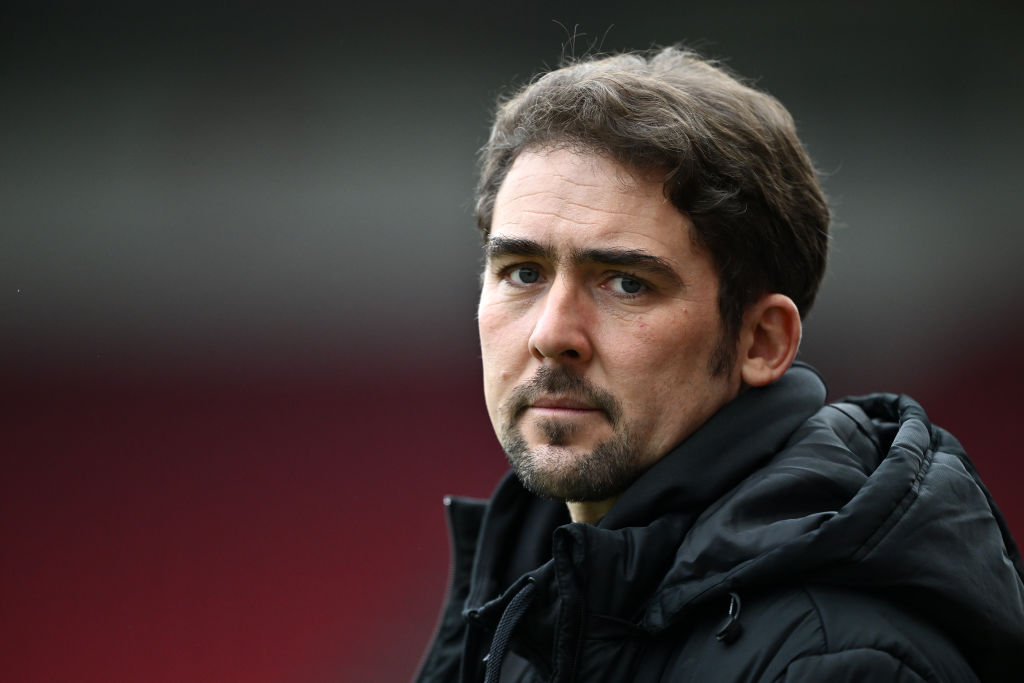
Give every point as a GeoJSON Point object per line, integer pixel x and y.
{"type": "Point", "coordinates": [599, 322]}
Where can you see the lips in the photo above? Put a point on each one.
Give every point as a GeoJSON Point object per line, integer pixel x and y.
{"type": "Point", "coordinates": [568, 404]}
{"type": "Point", "coordinates": [558, 392]}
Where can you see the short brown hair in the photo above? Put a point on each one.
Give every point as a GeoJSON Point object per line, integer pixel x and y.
{"type": "Point", "coordinates": [730, 154]}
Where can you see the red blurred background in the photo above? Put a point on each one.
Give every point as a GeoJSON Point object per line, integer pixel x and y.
{"type": "Point", "coordinates": [238, 368]}
{"type": "Point", "coordinates": [172, 526]}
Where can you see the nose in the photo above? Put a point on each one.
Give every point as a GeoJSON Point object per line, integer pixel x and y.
{"type": "Point", "coordinates": [562, 329]}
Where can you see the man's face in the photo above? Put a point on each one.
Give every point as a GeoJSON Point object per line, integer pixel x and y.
{"type": "Point", "coordinates": [599, 325]}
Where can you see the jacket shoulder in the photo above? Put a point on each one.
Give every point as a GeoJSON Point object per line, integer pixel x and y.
{"type": "Point", "coordinates": [811, 633]}
{"type": "Point", "coordinates": [865, 636]}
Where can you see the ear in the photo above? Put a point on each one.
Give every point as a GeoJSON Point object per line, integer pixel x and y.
{"type": "Point", "coordinates": [769, 339]}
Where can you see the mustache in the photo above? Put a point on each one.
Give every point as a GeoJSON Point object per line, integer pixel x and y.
{"type": "Point", "coordinates": [565, 383]}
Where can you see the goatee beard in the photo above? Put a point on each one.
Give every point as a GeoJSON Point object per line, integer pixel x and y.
{"type": "Point", "coordinates": [552, 470]}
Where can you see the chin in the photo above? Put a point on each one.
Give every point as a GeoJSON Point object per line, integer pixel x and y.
{"type": "Point", "coordinates": [572, 472]}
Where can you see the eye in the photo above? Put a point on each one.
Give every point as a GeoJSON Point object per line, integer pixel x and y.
{"type": "Point", "coordinates": [523, 275]}
{"type": "Point", "coordinates": [625, 284]}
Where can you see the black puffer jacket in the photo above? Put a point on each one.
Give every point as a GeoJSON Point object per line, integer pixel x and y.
{"type": "Point", "coordinates": [783, 541]}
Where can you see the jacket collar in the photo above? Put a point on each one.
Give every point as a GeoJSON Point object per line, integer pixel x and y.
{"type": "Point", "coordinates": [635, 544]}
{"type": "Point", "coordinates": [740, 437]}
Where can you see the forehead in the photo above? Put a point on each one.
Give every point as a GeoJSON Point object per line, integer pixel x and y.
{"type": "Point", "coordinates": [566, 198]}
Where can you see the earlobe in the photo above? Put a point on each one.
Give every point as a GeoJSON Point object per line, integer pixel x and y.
{"type": "Point", "coordinates": [769, 339]}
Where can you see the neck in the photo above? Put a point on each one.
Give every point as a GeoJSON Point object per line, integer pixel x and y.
{"type": "Point", "coordinates": [589, 512]}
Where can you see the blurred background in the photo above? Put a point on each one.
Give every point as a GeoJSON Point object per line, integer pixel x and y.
{"type": "Point", "coordinates": [238, 360]}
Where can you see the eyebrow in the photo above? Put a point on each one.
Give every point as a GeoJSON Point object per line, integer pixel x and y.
{"type": "Point", "coordinates": [636, 259]}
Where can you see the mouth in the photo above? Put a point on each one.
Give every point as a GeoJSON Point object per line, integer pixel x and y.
{"type": "Point", "coordinates": [555, 395]}
{"type": "Point", "coordinates": [564, 406]}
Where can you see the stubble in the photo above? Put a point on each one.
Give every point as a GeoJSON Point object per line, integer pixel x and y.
{"type": "Point", "coordinates": [556, 470]}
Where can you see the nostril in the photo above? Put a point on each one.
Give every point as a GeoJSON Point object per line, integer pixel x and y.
{"type": "Point", "coordinates": [572, 353]}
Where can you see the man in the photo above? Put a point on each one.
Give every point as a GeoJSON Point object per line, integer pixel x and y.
{"type": "Point", "coordinates": [684, 507]}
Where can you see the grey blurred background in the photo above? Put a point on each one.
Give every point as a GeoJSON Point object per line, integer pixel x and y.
{"type": "Point", "coordinates": [219, 181]}
{"type": "Point", "coordinates": [269, 204]}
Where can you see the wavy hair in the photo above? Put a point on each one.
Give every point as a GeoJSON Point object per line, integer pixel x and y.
{"type": "Point", "coordinates": [728, 154]}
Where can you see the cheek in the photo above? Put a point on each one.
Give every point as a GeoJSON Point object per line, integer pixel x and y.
{"type": "Point", "coordinates": [644, 335]}
{"type": "Point", "coordinates": [661, 357]}
{"type": "Point", "coordinates": [656, 344]}
{"type": "Point", "coordinates": [640, 368]}
{"type": "Point", "coordinates": [497, 333]}
{"type": "Point", "coordinates": [504, 326]}
{"type": "Point", "coordinates": [489, 326]}
{"type": "Point", "coordinates": [504, 349]}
